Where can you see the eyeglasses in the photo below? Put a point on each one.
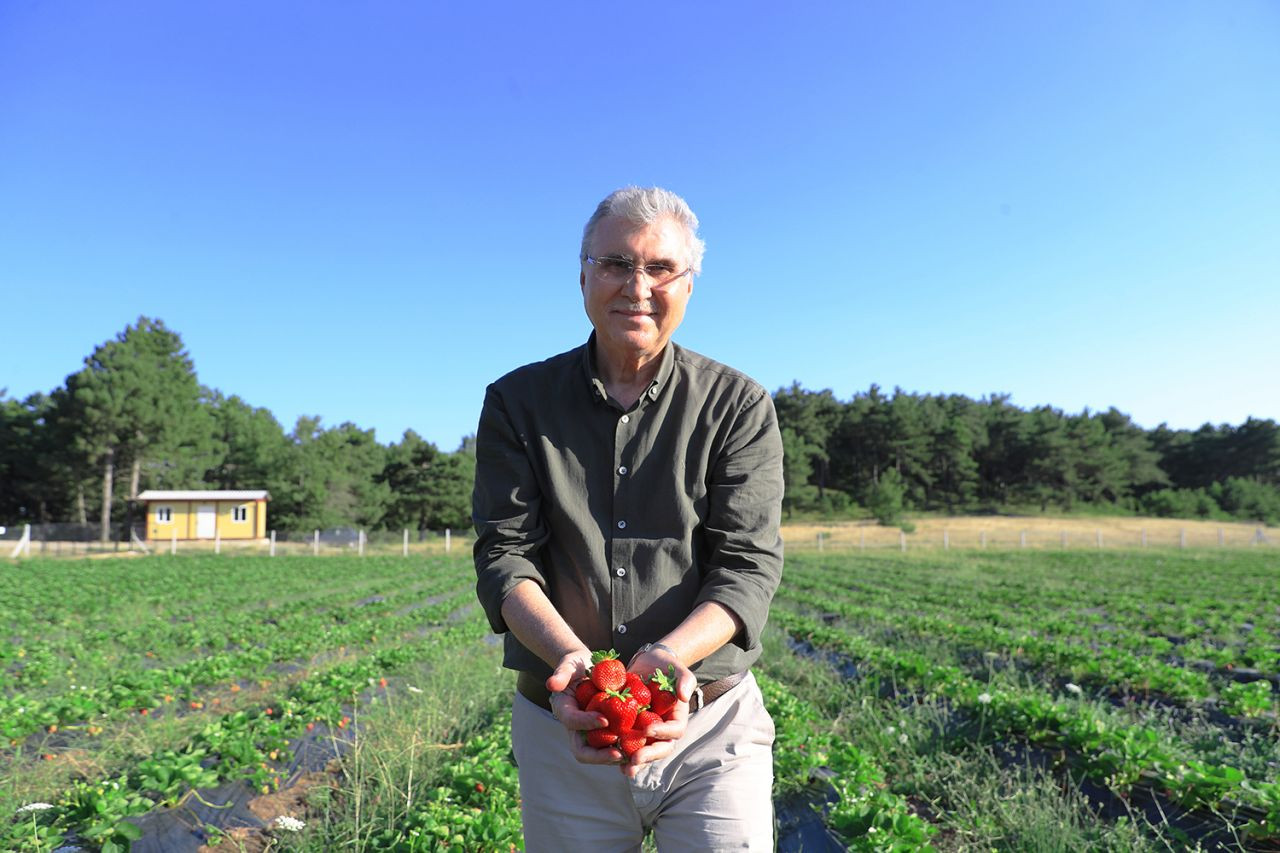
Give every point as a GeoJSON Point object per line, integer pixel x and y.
{"type": "Point", "coordinates": [615, 270]}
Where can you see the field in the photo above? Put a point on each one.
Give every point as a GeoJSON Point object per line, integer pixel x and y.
{"type": "Point", "coordinates": [1011, 699]}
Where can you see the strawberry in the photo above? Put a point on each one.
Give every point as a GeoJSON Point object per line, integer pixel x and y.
{"type": "Point", "coordinates": [620, 710]}
{"type": "Point", "coordinates": [639, 692]}
{"type": "Point", "coordinates": [601, 738]}
{"type": "Point", "coordinates": [607, 672]}
{"type": "Point", "coordinates": [631, 741]}
{"type": "Point", "coordinates": [645, 719]}
{"type": "Point", "coordinates": [584, 692]}
{"type": "Point", "coordinates": [662, 691]}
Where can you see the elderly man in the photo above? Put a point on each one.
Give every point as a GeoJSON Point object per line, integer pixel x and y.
{"type": "Point", "coordinates": [627, 496]}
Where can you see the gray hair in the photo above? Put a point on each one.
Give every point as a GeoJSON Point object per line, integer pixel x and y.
{"type": "Point", "coordinates": [645, 206]}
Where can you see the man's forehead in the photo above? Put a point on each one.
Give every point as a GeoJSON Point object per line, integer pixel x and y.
{"type": "Point", "coordinates": [618, 230]}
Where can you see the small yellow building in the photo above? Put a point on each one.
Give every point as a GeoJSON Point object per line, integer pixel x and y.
{"type": "Point", "coordinates": [205, 514]}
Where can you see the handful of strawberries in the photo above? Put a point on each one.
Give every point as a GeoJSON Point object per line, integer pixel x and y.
{"type": "Point", "coordinates": [630, 704]}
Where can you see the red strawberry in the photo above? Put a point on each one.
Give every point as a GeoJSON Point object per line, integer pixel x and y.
{"type": "Point", "coordinates": [584, 692]}
{"type": "Point", "coordinates": [631, 741]}
{"type": "Point", "coordinates": [620, 710]}
{"type": "Point", "coordinates": [601, 738]}
{"type": "Point", "coordinates": [607, 672]}
{"type": "Point", "coordinates": [662, 691]}
{"type": "Point", "coordinates": [645, 719]}
{"type": "Point", "coordinates": [639, 691]}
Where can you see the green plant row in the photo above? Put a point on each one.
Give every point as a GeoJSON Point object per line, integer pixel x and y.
{"type": "Point", "coordinates": [251, 745]}
{"type": "Point", "coordinates": [1136, 617]}
{"type": "Point", "coordinates": [867, 815]}
{"type": "Point", "coordinates": [1117, 756]}
{"type": "Point", "coordinates": [21, 715]}
{"type": "Point", "coordinates": [1105, 668]}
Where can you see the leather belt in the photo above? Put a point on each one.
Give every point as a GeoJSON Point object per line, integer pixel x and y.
{"type": "Point", "coordinates": [535, 690]}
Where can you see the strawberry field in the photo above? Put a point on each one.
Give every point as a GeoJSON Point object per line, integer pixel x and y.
{"type": "Point", "coordinates": [953, 700]}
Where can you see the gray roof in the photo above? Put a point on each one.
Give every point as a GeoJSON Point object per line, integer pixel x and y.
{"type": "Point", "coordinates": [203, 495]}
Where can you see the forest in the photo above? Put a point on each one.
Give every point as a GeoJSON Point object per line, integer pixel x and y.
{"type": "Point", "coordinates": [135, 416]}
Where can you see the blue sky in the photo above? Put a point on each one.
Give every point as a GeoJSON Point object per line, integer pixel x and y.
{"type": "Point", "coordinates": [368, 211]}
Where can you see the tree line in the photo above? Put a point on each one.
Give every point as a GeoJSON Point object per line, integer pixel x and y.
{"type": "Point", "coordinates": [951, 453]}
{"type": "Point", "coordinates": [135, 417]}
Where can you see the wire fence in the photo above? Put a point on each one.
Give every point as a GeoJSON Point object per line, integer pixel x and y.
{"type": "Point", "coordinates": [79, 540]}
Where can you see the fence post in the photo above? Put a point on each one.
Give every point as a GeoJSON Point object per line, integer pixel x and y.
{"type": "Point", "coordinates": [406, 541]}
{"type": "Point", "coordinates": [819, 540]}
{"type": "Point", "coordinates": [217, 541]}
{"type": "Point", "coordinates": [902, 540]}
{"type": "Point", "coordinates": [360, 542]}
{"type": "Point", "coordinates": [273, 543]}
{"type": "Point", "coordinates": [1099, 533]}
{"type": "Point", "coordinates": [1221, 538]}
{"type": "Point", "coordinates": [315, 545]}
{"type": "Point", "coordinates": [946, 539]}
{"type": "Point", "coordinates": [1182, 537]}
{"type": "Point", "coordinates": [1064, 539]}
{"type": "Point", "coordinates": [1022, 539]}
{"type": "Point", "coordinates": [862, 539]}
{"type": "Point", "coordinates": [448, 540]}
{"type": "Point", "coordinates": [173, 541]}
{"type": "Point", "coordinates": [1144, 537]}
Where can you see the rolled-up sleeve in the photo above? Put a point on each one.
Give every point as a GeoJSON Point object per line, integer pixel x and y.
{"type": "Point", "coordinates": [744, 554]}
{"type": "Point", "coordinates": [506, 510]}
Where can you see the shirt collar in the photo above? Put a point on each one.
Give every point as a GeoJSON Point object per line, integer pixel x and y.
{"type": "Point", "coordinates": [660, 379]}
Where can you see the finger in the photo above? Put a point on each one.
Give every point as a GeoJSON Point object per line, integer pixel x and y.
{"type": "Point", "coordinates": [563, 675]}
{"type": "Point", "coordinates": [565, 709]}
{"type": "Point", "coordinates": [587, 755]}
{"type": "Point", "coordinates": [685, 685]}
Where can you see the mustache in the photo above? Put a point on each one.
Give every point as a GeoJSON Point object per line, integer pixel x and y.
{"type": "Point", "coordinates": [637, 307]}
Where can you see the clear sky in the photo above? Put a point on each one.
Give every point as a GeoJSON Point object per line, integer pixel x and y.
{"type": "Point", "coordinates": [367, 211]}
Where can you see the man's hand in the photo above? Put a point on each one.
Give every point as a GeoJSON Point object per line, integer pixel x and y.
{"type": "Point", "coordinates": [568, 673]}
{"type": "Point", "coordinates": [668, 731]}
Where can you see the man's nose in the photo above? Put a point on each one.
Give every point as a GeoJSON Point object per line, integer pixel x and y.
{"type": "Point", "coordinates": [638, 285]}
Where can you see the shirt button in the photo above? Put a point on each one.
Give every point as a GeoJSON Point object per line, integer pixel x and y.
{"type": "Point", "coordinates": [622, 525]}
{"type": "Point", "coordinates": [620, 572]}
{"type": "Point", "coordinates": [626, 419]}
{"type": "Point", "coordinates": [622, 469]}
{"type": "Point", "coordinates": [622, 629]}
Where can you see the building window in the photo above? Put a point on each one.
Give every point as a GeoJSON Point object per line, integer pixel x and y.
{"type": "Point", "coordinates": [240, 513]}
{"type": "Point", "coordinates": [164, 514]}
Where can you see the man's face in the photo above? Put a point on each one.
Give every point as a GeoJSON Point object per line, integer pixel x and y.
{"type": "Point", "coordinates": [635, 318]}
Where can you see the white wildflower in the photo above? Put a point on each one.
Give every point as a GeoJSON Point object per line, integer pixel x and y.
{"type": "Point", "coordinates": [903, 739]}
{"type": "Point", "coordinates": [413, 689]}
{"type": "Point", "coordinates": [1073, 688]}
{"type": "Point", "coordinates": [889, 730]}
{"type": "Point", "coordinates": [35, 807]}
{"type": "Point", "coordinates": [289, 824]}
{"type": "Point", "coordinates": [984, 698]}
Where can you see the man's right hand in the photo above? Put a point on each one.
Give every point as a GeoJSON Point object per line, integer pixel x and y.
{"type": "Point", "coordinates": [571, 670]}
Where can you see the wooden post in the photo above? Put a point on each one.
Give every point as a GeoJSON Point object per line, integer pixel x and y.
{"type": "Point", "coordinates": [173, 541]}
{"type": "Point", "coordinates": [1064, 539]}
{"type": "Point", "coordinates": [902, 540]}
{"type": "Point", "coordinates": [406, 541]}
{"type": "Point", "coordinates": [1022, 539]}
{"type": "Point", "coordinates": [448, 540]}
{"type": "Point", "coordinates": [360, 542]}
{"type": "Point", "coordinates": [217, 540]}
{"type": "Point", "coordinates": [315, 545]}
{"type": "Point", "coordinates": [946, 539]}
{"type": "Point", "coordinates": [1221, 539]}
{"type": "Point", "coordinates": [1099, 533]}
{"type": "Point", "coordinates": [1144, 537]}
{"type": "Point", "coordinates": [273, 543]}
{"type": "Point", "coordinates": [1182, 538]}
{"type": "Point", "coordinates": [862, 539]}
{"type": "Point", "coordinates": [982, 539]}
{"type": "Point", "coordinates": [819, 540]}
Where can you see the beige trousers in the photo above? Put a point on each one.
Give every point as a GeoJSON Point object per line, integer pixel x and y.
{"type": "Point", "coordinates": [713, 793]}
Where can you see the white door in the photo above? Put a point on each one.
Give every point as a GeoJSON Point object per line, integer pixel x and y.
{"type": "Point", "coordinates": [206, 521]}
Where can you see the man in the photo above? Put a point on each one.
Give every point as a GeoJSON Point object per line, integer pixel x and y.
{"type": "Point", "coordinates": [627, 496]}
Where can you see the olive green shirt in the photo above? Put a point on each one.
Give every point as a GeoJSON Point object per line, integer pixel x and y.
{"type": "Point", "coordinates": [629, 519]}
